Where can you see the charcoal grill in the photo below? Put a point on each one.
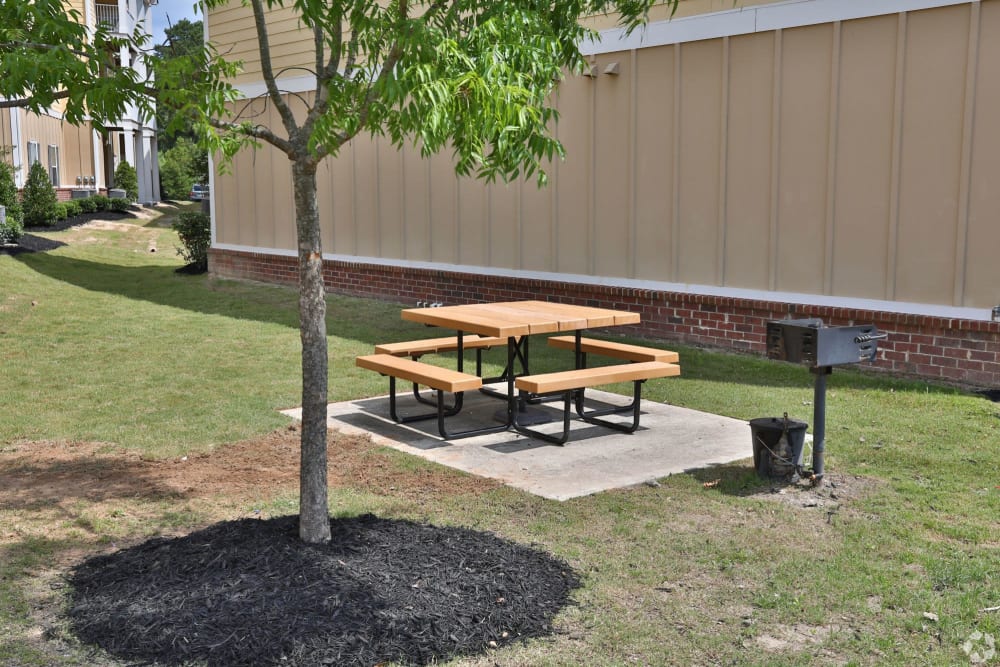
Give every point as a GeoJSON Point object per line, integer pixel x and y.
{"type": "Point", "coordinates": [809, 341]}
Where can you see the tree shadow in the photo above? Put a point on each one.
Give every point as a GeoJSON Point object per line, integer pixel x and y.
{"type": "Point", "coordinates": [248, 592]}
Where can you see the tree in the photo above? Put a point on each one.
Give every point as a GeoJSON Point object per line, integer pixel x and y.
{"type": "Point", "coordinates": [471, 75]}
{"type": "Point", "coordinates": [184, 39]}
{"type": "Point", "coordinates": [48, 55]}
{"type": "Point", "coordinates": [38, 197]}
{"type": "Point", "coordinates": [10, 229]}
{"type": "Point", "coordinates": [181, 167]}
{"type": "Point", "coordinates": [126, 179]}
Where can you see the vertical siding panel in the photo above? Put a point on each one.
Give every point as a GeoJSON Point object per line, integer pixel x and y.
{"type": "Point", "coordinates": [864, 165]}
{"type": "Point", "coordinates": [342, 186]}
{"type": "Point", "coordinates": [612, 175]}
{"type": "Point", "coordinates": [227, 193]}
{"type": "Point", "coordinates": [365, 197]}
{"type": "Point", "coordinates": [831, 167]}
{"type": "Point", "coordinates": [536, 224]}
{"type": "Point", "coordinates": [805, 101]}
{"type": "Point", "coordinates": [720, 251]}
{"type": "Point", "coordinates": [982, 273]}
{"type": "Point", "coordinates": [748, 181]}
{"type": "Point", "coordinates": [931, 154]}
{"type": "Point", "coordinates": [675, 186]}
{"type": "Point", "coordinates": [417, 229]}
{"type": "Point", "coordinates": [265, 165]}
{"type": "Point", "coordinates": [699, 171]}
{"type": "Point", "coordinates": [472, 219]}
{"type": "Point", "coordinates": [892, 235]}
{"type": "Point", "coordinates": [574, 130]}
{"type": "Point", "coordinates": [444, 209]}
{"type": "Point", "coordinates": [654, 163]}
{"type": "Point", "coordinates": [505, 225]}
{"type": "Point", "coordinates": [772, 235]}
{"type": "Point", "coordinates": [969, 105]}
{"type": "Point", "coordinates": [390, 200]}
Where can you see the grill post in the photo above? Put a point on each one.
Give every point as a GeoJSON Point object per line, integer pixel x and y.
{"type": "Point", "coordinates": [808, 341]}
{"type": "Point", "coordinates": [819, 421]}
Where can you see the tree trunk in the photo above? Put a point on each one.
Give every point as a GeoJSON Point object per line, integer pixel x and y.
{"type": "Point", "coordinates": [314, 518]}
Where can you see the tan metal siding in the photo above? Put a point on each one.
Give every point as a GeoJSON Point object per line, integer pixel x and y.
{"type": "Point", "coordinates": [574, 181]}
{"type": "Point", "coordinates": [848, 159]}
{"type": "Point", "coordinates": [982, 243]}
{"type": "Point", "coordinates": [700, 147]}
{"type": "Point", "coordinates": [748, 176]}
{"type": "Point", "coordinates": [864, 157]}
{"type": "Point", "coordinates": [654, 162]}
{"type": "Point", "coordinates": [934, 91]}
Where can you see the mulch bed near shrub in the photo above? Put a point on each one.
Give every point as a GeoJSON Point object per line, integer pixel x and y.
{"type": "Point", "coordinates": [249, 592]}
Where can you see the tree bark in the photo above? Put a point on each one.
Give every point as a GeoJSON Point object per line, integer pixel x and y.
{"type": "Point", "coordinates": [314, 518]}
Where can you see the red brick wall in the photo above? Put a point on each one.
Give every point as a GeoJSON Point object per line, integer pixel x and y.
{"type": "Point", "coordinates": [938, 348]}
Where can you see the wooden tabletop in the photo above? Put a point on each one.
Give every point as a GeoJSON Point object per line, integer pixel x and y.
{"type": "Point", "coordinates": [519, 318]}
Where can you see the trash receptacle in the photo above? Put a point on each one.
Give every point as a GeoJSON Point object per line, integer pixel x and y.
{"type": "Point", "coordinates": [777, 446]}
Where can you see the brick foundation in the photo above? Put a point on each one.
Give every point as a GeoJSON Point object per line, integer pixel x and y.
{"type": "Point", "coordinates": [934, 348]}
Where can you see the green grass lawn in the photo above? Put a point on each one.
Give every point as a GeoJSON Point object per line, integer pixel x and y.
{"type": "Point", "coordinates": [101, 341]}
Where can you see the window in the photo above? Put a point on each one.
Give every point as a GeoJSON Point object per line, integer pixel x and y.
{"type": "Point", "coordinates": [34, 153]}
{"type": "Point", "coordinates": [54, 165]}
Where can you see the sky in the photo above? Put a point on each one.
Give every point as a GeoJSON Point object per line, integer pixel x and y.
{"type": "Point", "coordinates": [175, 10]}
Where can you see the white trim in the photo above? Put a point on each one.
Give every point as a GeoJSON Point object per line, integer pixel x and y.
{"type": "Point", "coordinates": [289, 84]}
{"type": "Point", "coordinates": [763, 18]}
{"type": "Point", "coordinates": [877, 305]}
{"type": "Point", "coordinates": [17, 150]}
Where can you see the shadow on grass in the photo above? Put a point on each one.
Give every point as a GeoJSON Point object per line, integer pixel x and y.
{"type": "Point", "coordinates": [31, 487]}
{"type": "Point", "coordinates": [370, 322]}
{"type": "Point", "coordinates": [162, 285]}
{"type": "Point", "coordinates": [248, 592]}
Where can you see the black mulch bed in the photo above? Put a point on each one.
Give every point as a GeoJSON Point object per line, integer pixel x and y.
{"type": "Point", "coordinates": [249, 592]}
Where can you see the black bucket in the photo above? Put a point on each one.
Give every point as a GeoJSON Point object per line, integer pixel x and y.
{"type": "Point", "coordinates": [777, 446]}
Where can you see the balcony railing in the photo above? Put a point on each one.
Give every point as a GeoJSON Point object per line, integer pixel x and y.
{"type": "Point", "coordinates": [107, 15]}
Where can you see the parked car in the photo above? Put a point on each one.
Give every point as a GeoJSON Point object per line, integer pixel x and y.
{"type": "Point", "coordinates": [198, 192]}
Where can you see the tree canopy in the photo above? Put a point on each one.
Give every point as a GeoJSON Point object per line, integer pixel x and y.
{"type": "Point", "coordinates": [48, 56]}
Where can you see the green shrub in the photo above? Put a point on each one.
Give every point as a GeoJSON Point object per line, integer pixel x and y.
{"type": "Point", "coordinates": [127, 180]}
{"type": "Point", "coordinates": [11, 230]}
{"type": "Point", "coordinates": [195, 232]}
{"type": "Point", "coordinates": [120, 205]}
{"type": "Point", "coordinates": [102, 202]}
{"type": "Point", "coordinates": [73, 208]}
{"type": "Point", "coordinates": [87, 204]}
{"type": "Point", "coordinates": [38, 197]}
{"type": "Point", "coordinates": [61, 211]}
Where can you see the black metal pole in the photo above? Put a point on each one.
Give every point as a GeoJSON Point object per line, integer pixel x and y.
{"type": "Point", "coordinates": [819, 421]}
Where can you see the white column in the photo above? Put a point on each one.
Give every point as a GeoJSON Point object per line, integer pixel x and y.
{"type": "Point", "coordinates": [17, 156]}
{"type": "Point", "coordinates": [154, 159]}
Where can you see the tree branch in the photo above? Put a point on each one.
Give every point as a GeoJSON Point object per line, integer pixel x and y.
{"type": "Point", "coordinates": [257, 132]}
{"type": "Point", "coordinates": [287, 117]}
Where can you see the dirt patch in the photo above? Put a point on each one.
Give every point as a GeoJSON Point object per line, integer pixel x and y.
{"type": "Point", "coordinates": [36, 474]}
{"type": "Point", "coordinates": [835, 491]}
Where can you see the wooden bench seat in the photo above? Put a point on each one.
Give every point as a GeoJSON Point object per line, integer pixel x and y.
{"type": "Point", "coordinates": [607, 348]}
{"type": "Point", "coordinates": [435, 377]}
{"type": "Point", "coordinates": [572, 383]}
{"type": "Point", "coordinates": [417, 348]}
{"type": "Point", "coordinates": [419, 373]}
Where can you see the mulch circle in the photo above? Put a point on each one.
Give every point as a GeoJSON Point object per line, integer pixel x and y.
{"type": "Point", "coordinates": [248, 592]}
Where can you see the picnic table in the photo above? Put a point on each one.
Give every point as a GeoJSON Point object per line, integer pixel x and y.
{"type": "Point", "coordinates": [514, 323]}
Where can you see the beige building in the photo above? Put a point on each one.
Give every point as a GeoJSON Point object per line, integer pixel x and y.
{"type": "Point", "coordinates": [736, 163]}
{"type": "Point", "coordinates": [82, 159]}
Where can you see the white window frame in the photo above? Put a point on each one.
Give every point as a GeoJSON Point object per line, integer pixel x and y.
{"type": "Point", "coordinates": [34, 153]}
{"type": "Point", "coordinates": [54, 165]}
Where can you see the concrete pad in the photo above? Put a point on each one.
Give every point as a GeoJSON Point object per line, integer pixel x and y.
{"type": "Point", "coordinates": [669, 440]}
